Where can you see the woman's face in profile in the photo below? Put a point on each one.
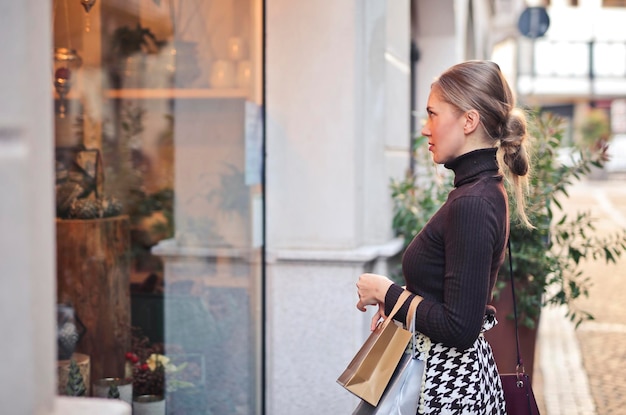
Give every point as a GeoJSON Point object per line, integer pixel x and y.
{"type": "Point", "coordinates": [444, 129]}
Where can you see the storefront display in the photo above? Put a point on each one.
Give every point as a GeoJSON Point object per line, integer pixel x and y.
{"type": "Point", "coordinates": [158, 197]}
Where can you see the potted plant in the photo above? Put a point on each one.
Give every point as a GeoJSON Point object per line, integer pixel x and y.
{"type": "Point", "coordinates": [594, 132]}
{"type": "Point", "coordinates": [128, 48]}
{"type": "Point", "coordinates": [154, 375]}
{"type": "Point", "coordinates": [546, 259]}
{"type": "Point", "coordinates": [595, 129]}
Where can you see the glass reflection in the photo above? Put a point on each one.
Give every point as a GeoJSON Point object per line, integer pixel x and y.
{"type": "Point", "coordinates": [168, 99]}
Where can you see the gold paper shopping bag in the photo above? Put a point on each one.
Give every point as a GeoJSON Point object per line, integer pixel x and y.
{"type": "Point", "coordinates": [369, 372]}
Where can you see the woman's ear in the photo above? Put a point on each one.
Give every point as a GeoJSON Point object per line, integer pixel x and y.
{"type": "Point", "coordinates": [472, 120]}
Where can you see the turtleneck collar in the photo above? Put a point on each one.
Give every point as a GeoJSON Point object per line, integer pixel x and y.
{"type": "Point", "coordinates": [469, 165]}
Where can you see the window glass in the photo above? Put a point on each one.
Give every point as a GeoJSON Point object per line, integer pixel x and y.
{"type": "Point", "coordinates": [561, 58]}
{"type": "Point", "coordinates": [609, 59]}
{"type": "Point", "coordinates": [159, 193]}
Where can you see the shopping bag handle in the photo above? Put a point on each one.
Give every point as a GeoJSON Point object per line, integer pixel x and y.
{"type": "Point", "coordinates": [403, 297]}
{"type": "Point", "coordinates": [410, 315]}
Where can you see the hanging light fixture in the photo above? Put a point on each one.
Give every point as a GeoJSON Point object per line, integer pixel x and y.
{"type": "Point", "coordinates": [66, 61]}
{"type": "Point", "coordinates": [87, 5]}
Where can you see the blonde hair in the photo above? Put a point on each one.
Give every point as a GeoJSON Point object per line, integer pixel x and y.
{"type": "Point", "coordinates": [480, 85]}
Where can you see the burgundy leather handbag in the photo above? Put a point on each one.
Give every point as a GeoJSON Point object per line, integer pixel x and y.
{"type": "Point", "coordinates": [518, 394]}
{"type": "Point", "coordinates": [518, 391]}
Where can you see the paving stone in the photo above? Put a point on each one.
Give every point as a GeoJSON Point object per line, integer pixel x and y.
{"type": "Point", "coordinates": [604, 358]}
{"type": "Point", "coordinates": [581, 371]}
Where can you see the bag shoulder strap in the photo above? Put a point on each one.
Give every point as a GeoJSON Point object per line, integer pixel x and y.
{"type": "Point", "coordinates": [520, 364]}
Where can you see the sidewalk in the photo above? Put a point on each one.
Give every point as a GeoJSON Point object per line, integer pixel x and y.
{"type": "Point", "coordinates": [562, 387]}
{"type": "Point", "coordinates": [581, 371]}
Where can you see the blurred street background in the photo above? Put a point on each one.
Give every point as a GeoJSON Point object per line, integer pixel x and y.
{"type": "Point", "coordinates": [580, 371]}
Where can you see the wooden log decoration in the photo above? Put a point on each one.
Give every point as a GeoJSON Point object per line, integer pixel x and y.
{"type": "Point", "coordinates": [93, 274]}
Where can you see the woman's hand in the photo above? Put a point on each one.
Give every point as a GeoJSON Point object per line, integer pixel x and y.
{"type": "Point", "coordinates": [372, 289]}
{"type": "Point", "coordinates": [380, 315]}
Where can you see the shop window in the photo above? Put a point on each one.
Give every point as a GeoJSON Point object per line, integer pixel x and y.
{"type": "Point", "coordinates": [158, 137]}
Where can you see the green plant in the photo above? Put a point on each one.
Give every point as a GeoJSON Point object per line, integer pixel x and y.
{"type": "Point", "coordinates": [114, 392]}
{"type": "Point", "coordinates": [417, 196]}
{"type": "Point", "coordinates": [127, 41]}
{"type": "Point", "coordinates": [233, 193]}
{"type": "Point", "coordinates": [595, 129]}
{"type": "Point", "coordinates": [548, 257]}
{"type": "Point", "coordinates": [146, 205]}
{"type": "Point", "coordinates": [121, 152]}
{"type": "Point", "coordinates": [75, 382]}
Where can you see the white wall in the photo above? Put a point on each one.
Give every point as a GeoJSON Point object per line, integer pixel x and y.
{"type": "Point", "coordinates": [26, 211]}
{"type": "Point", "coordinates": [386, 111]}
{"type": "Point", "coordinates": [312, 124]}
{"type": "Point", "coordinates": [338, 98]}
{"type": "Point", "coordinates": [337, 129]}
{"type": "Point", "coordinates": [438, 44]}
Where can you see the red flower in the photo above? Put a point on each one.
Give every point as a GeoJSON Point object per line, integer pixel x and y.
{"type": "Point", "coordinates": [132, 357]}
{"type": "Point", "coordinates": [63, 73]}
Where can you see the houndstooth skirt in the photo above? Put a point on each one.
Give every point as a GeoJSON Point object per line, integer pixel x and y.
{"type": "Point", "coordinates": [460, 382]}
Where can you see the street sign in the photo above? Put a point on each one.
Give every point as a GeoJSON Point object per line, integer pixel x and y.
{"type": "Point", "coordinates": [534, 22]}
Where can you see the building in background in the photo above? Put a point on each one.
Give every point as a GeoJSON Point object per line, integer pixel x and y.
{"type": "Point", "coordinates": [252, 146]}
{"type": "Point", "coordinates": [578, 65]}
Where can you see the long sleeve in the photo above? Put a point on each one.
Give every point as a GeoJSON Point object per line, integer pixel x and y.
{"type": "Point", "coordinates": [453, 263]}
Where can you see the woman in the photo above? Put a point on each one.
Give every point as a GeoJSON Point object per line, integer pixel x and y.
{"type": "Point", "coordinates": [452, 264]}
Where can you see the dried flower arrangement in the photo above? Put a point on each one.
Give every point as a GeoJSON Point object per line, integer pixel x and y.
{"type": "Point", "coordinates": [152, 372]}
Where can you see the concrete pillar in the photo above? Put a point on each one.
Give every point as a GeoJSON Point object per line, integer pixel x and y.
{"type": "Point", "coordinates": [337, 130]}
{"type": "Point", "coordinates": [27, 210]}
{"type": "Point", "coordinates": [438, 41]}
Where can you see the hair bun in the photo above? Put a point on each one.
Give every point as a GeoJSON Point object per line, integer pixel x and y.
{"type": "Point", "coordinates": [517, 161]}
{"type": "Point", "coordinates": [512, 144]}
{"type": "Point", "coordinates": [516, 124]}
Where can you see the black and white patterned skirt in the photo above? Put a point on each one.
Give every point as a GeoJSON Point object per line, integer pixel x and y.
{"type": "Point", "coordinates": [460, 382]}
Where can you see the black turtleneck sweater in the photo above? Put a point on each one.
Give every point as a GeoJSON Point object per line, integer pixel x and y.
{"type": "Point", "coordinates": [454, 261]}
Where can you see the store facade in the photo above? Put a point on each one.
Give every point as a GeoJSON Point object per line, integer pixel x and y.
{"type": "Point", "coordinates": [206, 185]}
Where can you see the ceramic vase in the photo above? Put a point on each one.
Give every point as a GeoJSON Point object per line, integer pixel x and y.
{"type": "Point", "coordinates": [149, 405]}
